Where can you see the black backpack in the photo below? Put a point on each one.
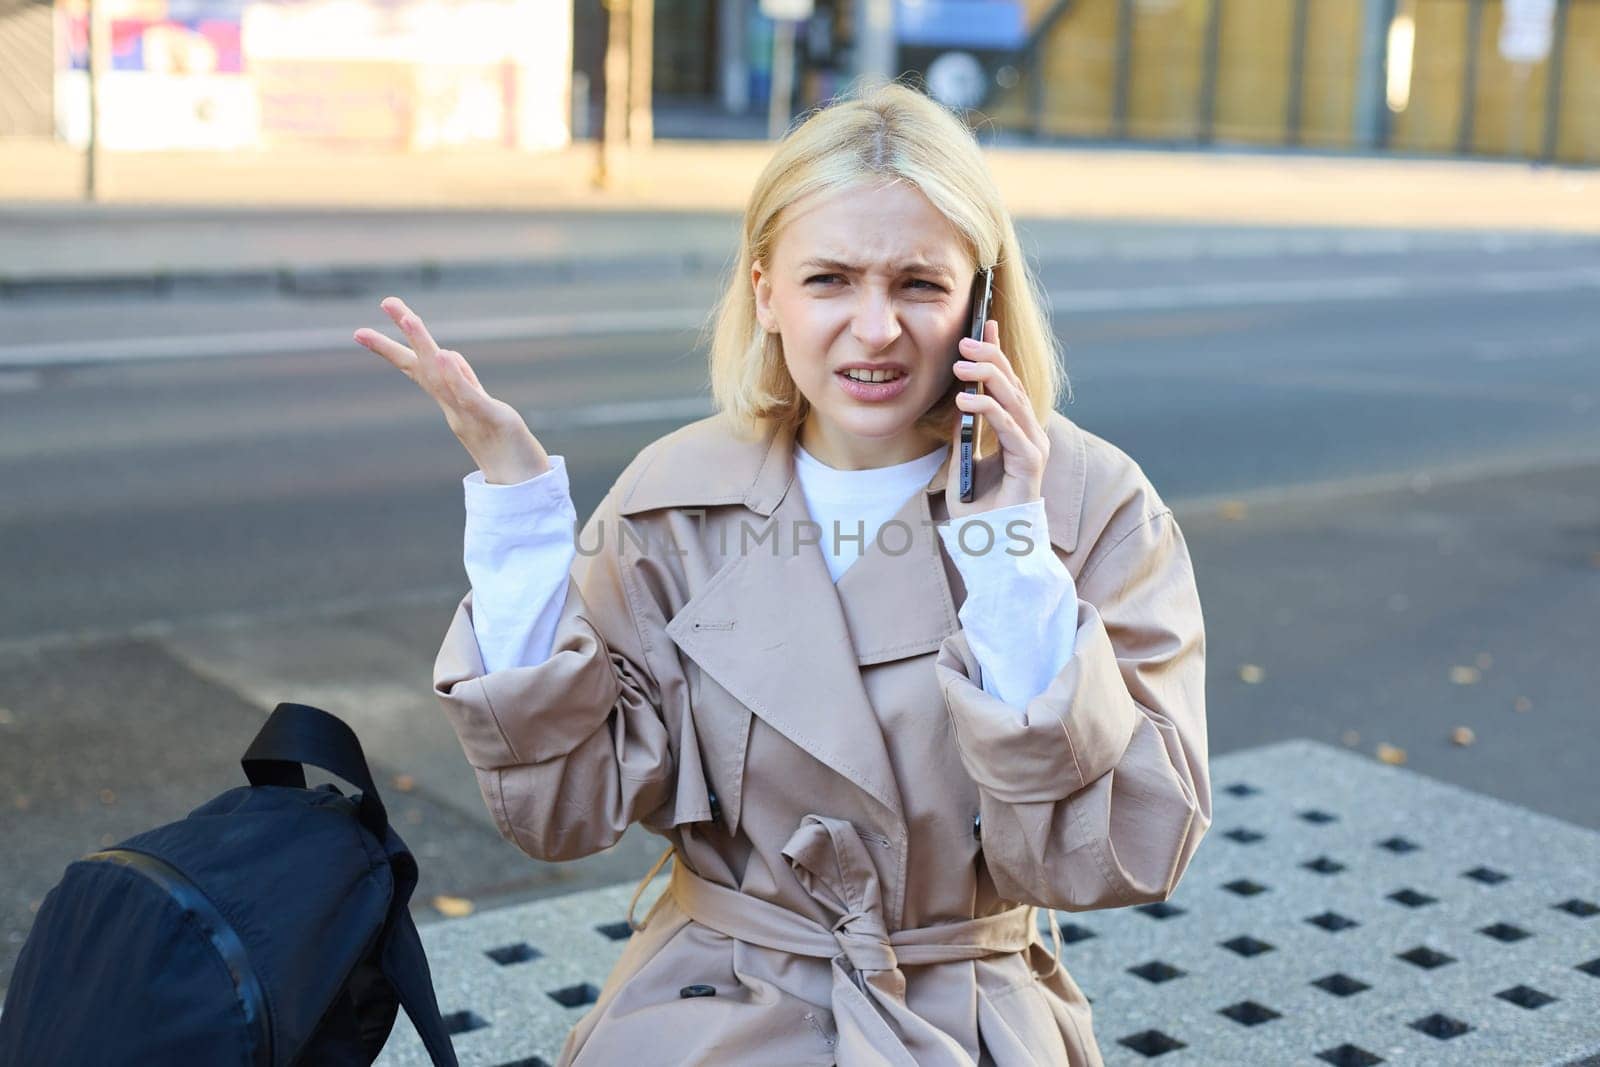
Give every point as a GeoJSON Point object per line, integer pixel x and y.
{"type": "Point", "coordinates": [270, 927]}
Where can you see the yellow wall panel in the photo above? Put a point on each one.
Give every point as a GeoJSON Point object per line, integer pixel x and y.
{"type": "Point", "coordinates": [1432, 116]}
{"type": "Point", "coordinates": [1167, 63]}
{"type": "Point", "coordinates": [1253, 71]}
{"type": "Point", "coordinates": [1080, 69]}
{"type": "Point", "coordinates": [1578, 124]}
{"type": "Point", "coordinates": [1332, 66]}
{"type": "Point", "coordinates": [1508, 101]}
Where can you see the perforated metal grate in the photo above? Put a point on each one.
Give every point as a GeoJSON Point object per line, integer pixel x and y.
{"type": "Point", "coordinates": [1341, 911]}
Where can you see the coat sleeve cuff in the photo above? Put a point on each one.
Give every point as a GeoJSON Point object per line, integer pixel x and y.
{"type": "Point", "coordinates": [526, 714]}
{"type": "Point", "coordinates": [1020, 612]}
{"type": "Point", "coordinates": [1067, 737]}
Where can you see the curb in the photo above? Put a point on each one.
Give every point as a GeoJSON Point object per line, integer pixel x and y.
{"type": "Point", "coordinates": [355, 279]}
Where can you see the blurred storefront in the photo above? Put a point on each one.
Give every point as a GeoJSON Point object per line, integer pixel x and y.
{"type": "Point", "coordinates": [1510, 78]}
{"type": "Point", "coordinates": [392, 74]}
{"type": "Point", "coordinates": [1495, 78]}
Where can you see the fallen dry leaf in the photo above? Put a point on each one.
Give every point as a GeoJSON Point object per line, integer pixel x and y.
{"type": "Point", "coordinates": [413, 816]}
{"type": "Point", "coordinates": [452, 907]}
{"type": "Point", "coordinates": [1352, 738]}
{"type": "Point", "coordinates": [1232, 510]}
{"type": "Point", "coordinates": [405, 783]}
{"type": "Point", "coordinates": [1464, 675]}
{"type": "Point", "coordinates": [1523, 704]}
{"type": "Point", "coordinates": [1250, 674]}
{"type": "Point", "coordinates": [1594, 559]}
{"type": "Point", "coordinates": [107, 797]}
{"type": "Point", "coordinates": [1463, 735]}
{"type": "Point", "coordinates": [1391, 754]}
{"type": "Point", "coordinates": [1483, 660]}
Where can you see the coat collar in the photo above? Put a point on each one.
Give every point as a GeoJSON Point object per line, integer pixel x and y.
{"type": "Point", "coordinates": [708, 463]}
{"type": "Point", "coordinates": [773, 629]}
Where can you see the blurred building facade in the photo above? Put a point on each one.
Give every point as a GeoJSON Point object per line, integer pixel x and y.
{"type": "Point", "coordinates": [1499, 78]}
{"type": "Point", "coordinates": [1504, 78]}
{"type": "Point", "coordinates": [227, 74]}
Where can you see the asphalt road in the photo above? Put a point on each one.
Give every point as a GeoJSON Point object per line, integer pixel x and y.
{"type": "Point", "coordinates": [1385, 457]}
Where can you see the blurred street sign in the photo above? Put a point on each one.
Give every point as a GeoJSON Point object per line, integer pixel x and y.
{"type": "Point", "coordinates": [969, 24]}
{"type": "Point", "coordinates": [792, 10]}
{"type": "Point", "coordinates": [1527, 29]}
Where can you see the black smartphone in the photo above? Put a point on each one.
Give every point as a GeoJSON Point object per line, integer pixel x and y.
{"type": "Point", "coordinates": [982, 287]}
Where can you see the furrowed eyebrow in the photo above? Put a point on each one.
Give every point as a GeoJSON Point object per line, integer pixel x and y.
{"type": "Point", "coordinates": [913, 267]}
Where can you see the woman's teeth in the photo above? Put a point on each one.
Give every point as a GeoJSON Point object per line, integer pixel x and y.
{"type": "Point", "coordinates": [872, 376]}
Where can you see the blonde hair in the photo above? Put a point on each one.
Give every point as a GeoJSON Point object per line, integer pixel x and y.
{"type": "Point", "coordinates": [879, 133]}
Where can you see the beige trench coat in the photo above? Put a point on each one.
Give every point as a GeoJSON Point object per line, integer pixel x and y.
{"type": "Point", "coordinates": [842, 796]}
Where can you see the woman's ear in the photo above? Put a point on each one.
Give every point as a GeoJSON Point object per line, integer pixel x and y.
{"type": "Point", "coordinates": [762, 288]}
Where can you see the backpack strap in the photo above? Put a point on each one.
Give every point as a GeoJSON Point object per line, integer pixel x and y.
{"type": "Point", "coordinates": [406, 966]}
{"type": "Point", "coordinates": [296, 734]}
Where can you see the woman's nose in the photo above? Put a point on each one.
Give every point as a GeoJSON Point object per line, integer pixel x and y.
{"type": "Point", "coordinates": [877, 323]}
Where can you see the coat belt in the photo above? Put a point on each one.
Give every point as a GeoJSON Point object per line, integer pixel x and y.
{"type": "Point", "coordinates": [868, 993]}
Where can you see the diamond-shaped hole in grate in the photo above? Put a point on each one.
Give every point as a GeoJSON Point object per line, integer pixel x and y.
{"type": "Point", "coordinates": [617, 931]}
{"type": "Point", "coordinates": [1244, 836]}
{"type": "Point", "coordinates": [1486, 875]}
{"type": "Point", "coordinates": [1399, 845]}
{"type": "Point", "coordinates": [1505, 932]}
{"type": "Point", "coordinates": [530, 1061]}
{"type": "Point", "coordinates": [461, 1022]}
{"type": "Point", "coordinates": [1349, 1056]}
{"type": "Point", "coordinates": [521, 952]}
{"type": "Point", "coordinates": [1526, 997]}
{"type": "Point", "coordinates": [1324, 865]}
{"type": "Point", "coordinates": [1249, 1013]}
{"type": "Point", "coordinates": [1072, 933]}
{"type": "Point", "coordinates": [1332, 921]}
{"type": "Point", "coordinates": [1151, 1043]}
{"type": "Point", "coordinates": [1411, 898]}
{"type": "Point", "coordinates": [1341, 985]}
{"type": "Point", "coordinates": [1318, 816]}
{"type": "Point", "coordinates": [1156, 972]}
{"type": "Point", "coordinates": [1246, 946]}
{"type": "Point", "coordinates": [1160, 910]}
{"type": "Point", "coordinates": [1244, 887]}
{"type": "Point", "coordinates": [1425, 957]}
{"type": "Point", "coordinates": [575, 996]}
{"type": "Point", "coordinates": [1241, 789]}
{"type": "Point", "coordinates": [1441, 1026]}
{"type": "Point", "coordinates": [1591, 967]}
{"type": "Point", "coordinates": [1581, 908]}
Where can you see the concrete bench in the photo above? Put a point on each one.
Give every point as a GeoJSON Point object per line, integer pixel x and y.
{"type": "Point", "coordinates": [1341, 911]}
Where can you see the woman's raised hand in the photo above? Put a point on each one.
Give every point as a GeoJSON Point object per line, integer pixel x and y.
{"type": "Point", "coordinates": [492, 431]}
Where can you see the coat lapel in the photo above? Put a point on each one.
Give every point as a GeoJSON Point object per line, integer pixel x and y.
{"type": "Point", "coordinates": [769, 628]}
{"type": "Point", "coordinates": [772, 628]}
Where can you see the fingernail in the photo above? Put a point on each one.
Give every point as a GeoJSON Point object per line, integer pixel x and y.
{"type": "Point", "coordinates": [968, 343]}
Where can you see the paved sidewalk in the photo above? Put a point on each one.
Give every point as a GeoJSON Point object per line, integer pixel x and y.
{"type": "Point", "coordinates": [245, 217]}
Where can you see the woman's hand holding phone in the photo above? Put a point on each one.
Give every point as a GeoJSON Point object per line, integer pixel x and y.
{"type": "Point", "coordinates": [1024, 445]}
{"type": "Point", "coordinates": [493, 432]}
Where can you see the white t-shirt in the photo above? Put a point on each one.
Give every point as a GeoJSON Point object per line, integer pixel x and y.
{"type": "Point", "coordinates": [1020, 615]}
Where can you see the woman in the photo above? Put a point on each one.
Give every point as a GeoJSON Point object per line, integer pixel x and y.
{"type": "Point", "coordinates": [875, 744]}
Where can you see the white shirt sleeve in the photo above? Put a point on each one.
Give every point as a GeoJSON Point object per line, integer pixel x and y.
{"type": "Point", "coordinates": [519, 548]}
{"type": "Point", "coordinates": [1021, 611]}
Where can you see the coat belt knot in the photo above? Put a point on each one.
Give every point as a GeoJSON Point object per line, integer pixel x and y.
{"type": "Point", "coordinates": [865, 942]}
{"type": "Point", "coordinates": [868, 991]}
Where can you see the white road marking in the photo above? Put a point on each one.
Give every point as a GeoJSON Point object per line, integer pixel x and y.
{"type": "Point", "coordinates": [620, 322]}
